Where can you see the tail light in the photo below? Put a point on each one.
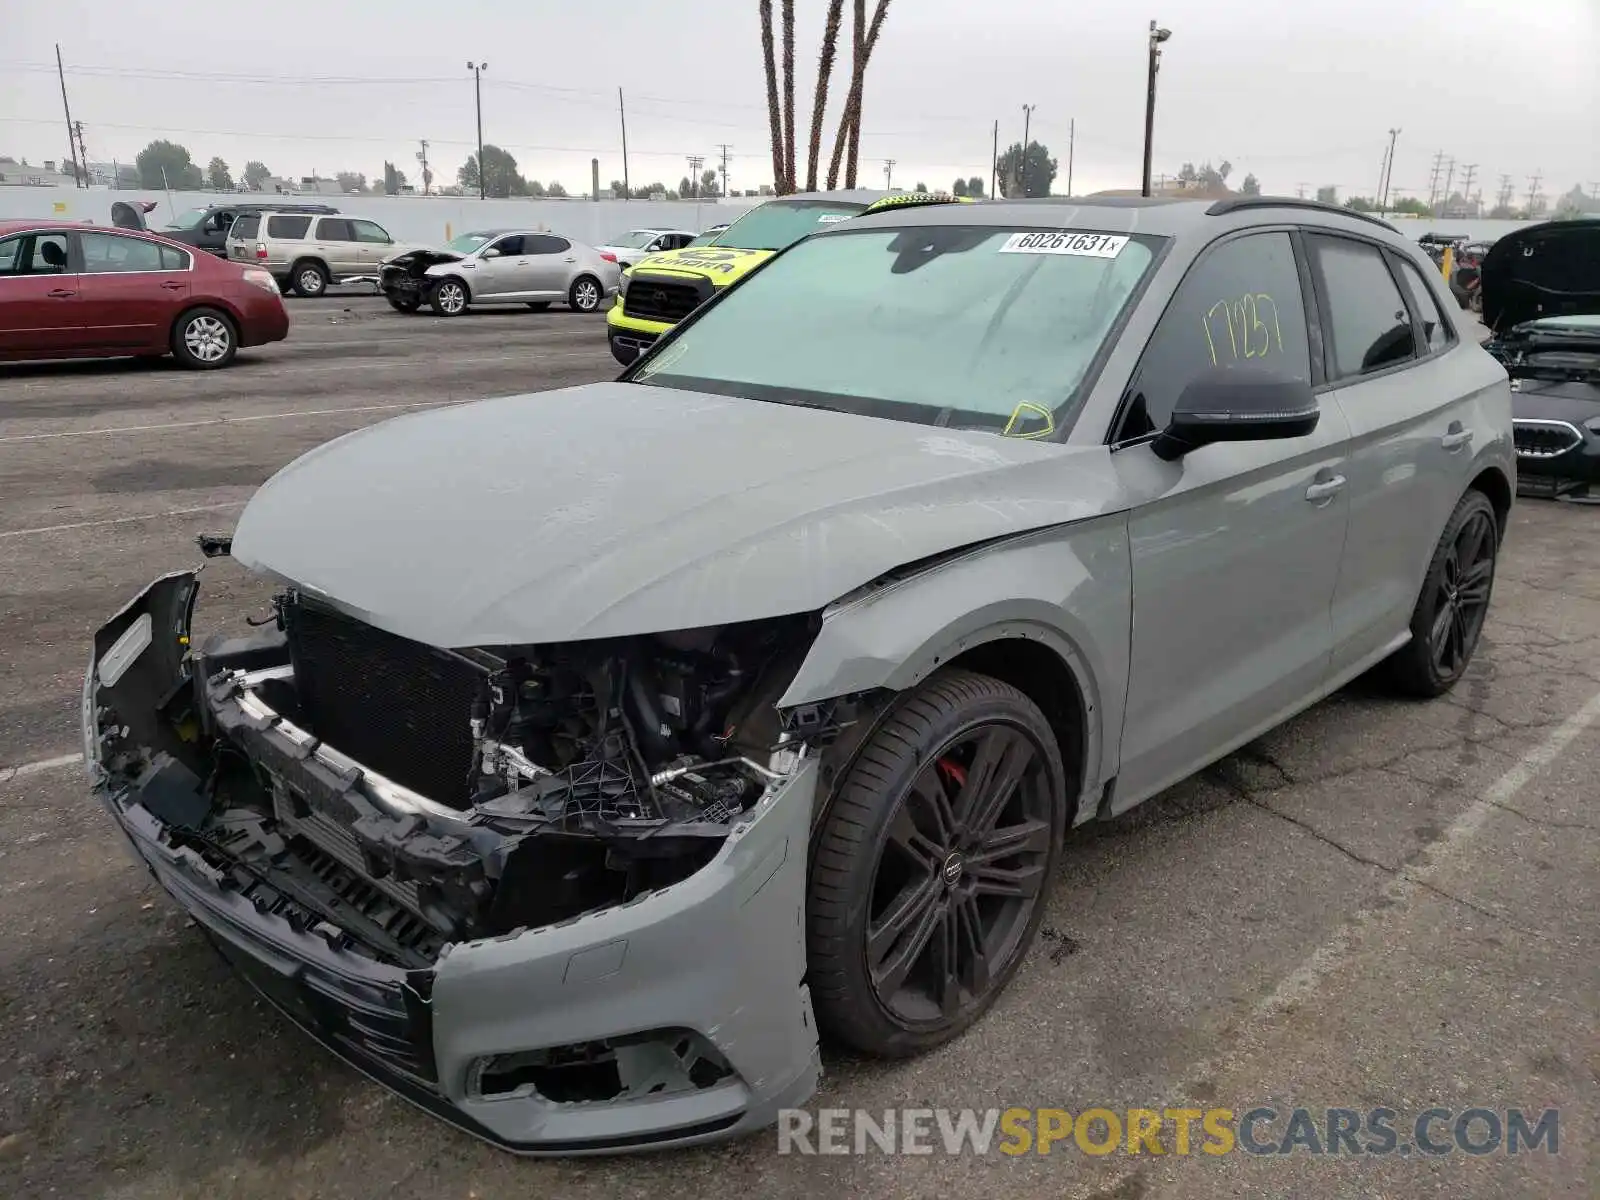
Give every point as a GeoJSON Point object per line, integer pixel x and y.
{"type": "Point", "coordinates": [608, 256]}
{"type": "Point", "coordinates": [261, 250]}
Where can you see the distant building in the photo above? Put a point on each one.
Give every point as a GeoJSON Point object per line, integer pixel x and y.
{"type": "Point", "coordinates": [21, 174]}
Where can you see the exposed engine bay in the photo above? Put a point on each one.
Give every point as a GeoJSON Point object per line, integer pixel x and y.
{"type": "Point", "coordinates": [400, 797]}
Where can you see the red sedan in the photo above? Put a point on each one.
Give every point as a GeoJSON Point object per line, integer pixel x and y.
{"type": "Point", "coordinates": [76, 291]}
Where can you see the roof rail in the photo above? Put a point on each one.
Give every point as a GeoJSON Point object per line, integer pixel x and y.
{"type": "Point", "coordinates": [1244, 203]}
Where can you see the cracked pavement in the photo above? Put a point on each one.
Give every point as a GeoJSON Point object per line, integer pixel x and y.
{"type": "Point", "coordinates": [1358, 909]}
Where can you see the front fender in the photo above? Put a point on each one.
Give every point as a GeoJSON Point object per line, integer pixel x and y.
{"type": "Point", "coordinates": [1068, 588]}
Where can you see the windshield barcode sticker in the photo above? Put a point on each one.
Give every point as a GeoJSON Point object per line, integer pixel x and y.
{"type": "Point", "coordinates": [830, 218]}
{"type": "Point", "coordinates": [1088, 245]}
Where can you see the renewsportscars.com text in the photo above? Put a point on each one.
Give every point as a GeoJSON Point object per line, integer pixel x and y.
{"type": "Point", "coordinates": [1262, 1130]}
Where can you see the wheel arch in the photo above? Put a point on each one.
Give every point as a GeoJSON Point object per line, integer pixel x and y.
{"type": "Point", "coordinates": [434, 282]}
{"type": "Point", "coordinates": [1492, 482]}
{"type": "Point", "coordinates": [301, 260]}
{"type": "Point", "coordinates": [1048, 615]}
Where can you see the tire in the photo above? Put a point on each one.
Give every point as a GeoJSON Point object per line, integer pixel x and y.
{"type": "Point", "coordinates": [863, 880]}
{"type": "Point", "coordinates": [1460, 578]}
{"type": "Point", "coordinates": [586, 294]}
{"type": "Point", "coordinates": [204, 339]}
{"type": "Point", "coordinates": [449, 297]}
{"type": "Point", "coordinates": [539, 305]}
{"type": "Point", "coordinates": [309, 279]}
{"type": "Point", "coordinates": [405, 304]}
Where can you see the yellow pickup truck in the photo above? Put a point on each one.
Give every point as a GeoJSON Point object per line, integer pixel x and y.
{"type": "Point", "coordinates": [661, 290]}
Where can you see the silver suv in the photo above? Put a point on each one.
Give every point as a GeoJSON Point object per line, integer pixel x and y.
{"type": "Point", "coordinates": [306, 252]}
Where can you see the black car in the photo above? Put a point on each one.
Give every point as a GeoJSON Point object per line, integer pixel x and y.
{"type": "Point", "coordinates": [207, 228]}
{"type": "Point", "coordinates": [1541, 299]}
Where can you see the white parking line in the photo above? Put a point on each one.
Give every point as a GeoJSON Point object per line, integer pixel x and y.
{"type": "Point", "coordinates": [171, 512]}
{"type": "Point", "coordinates": [7, 774]}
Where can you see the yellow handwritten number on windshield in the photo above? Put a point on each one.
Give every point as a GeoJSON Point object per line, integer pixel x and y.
{"type": "Point", "coordinates": [1251, 324]}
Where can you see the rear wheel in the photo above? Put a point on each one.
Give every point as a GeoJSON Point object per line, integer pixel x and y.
{"type": "Point", "coordinates": [405, 304]}
{"type": "Point", "coordinates": [1449, 616]}
{"type": "Point", "coordinates": [586, 294]}
{"type": "Point", "coordinates": [204, 339]}
{"type": "Point", "coordinates": [932, 865]}
{"type": "Point", "coordinates": [449, 298]}
{"type": "Point", "coordinates": [310, 279]}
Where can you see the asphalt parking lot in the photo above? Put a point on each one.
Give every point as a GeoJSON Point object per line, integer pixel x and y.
{"type": "Point", "coordinates": [1383, 903]}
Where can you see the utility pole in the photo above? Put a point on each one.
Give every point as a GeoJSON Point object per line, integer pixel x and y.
{"type": "Point", "coordinates": [1533, 192]}
{"type": "Point", "coordinates": [1388, 173]}
{"type": "Point", "coordinates": [627, 191]}
{"type": "Point", "coordinates": [1503, 200]}
{"type": "Point", "coordinates": [61, 74]}
{"type": "Point", "coordinates": [1468, 173]}
{"type": "Point", "coordinates": [83, 152]}
{"type": "Point", "coordinates": [888, 174]}
{"type": "Point", "coordinates": [1072, 138]}
{"type": "Point", "coordinates": [1300, 190]}
{"type": "Point", "coordinates": [994, 163]}
{"type": "Point", "coordinates": [1157, 36]}
{"type": "Point", "coordinates": [724, 147]}
{"type": "Point", "coordinates": [1433, 180]}
{"type": "Point", "coordinates": [694, 161]}
{"type": "Point", "coordinates": [477, 70]}
{"type": "Point", "coordinates": [1449, 179]}
{"type": "Point", "coordinates": [1020, 168]}
{"type": "Point", "coordinates": [422, 157]}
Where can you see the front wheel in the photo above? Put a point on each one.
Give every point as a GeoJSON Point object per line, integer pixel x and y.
{"type": "Point", "coordinates": [449, 298]}
{"type": "Point", "coordinates": [204, 339]}
{"type": "Point", "coordinates": [1449, 616]}
{"type": "Point", "coordinates": [585, 295]}
{"type": "Point", "coordinates": [933, 864]}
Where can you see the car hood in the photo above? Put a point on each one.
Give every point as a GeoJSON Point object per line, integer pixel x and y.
{"type": "Point", "coordinates": [406, 255]}
{"type": "Point", "coordinates": [616, 509]}
{"type": "Point", "coordinates": [720, 264]}
{"type": "Point", "coordinates": [1547, 270]}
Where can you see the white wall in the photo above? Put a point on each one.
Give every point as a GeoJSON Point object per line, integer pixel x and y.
{"type": "Point", "coordinates": [407, 218]}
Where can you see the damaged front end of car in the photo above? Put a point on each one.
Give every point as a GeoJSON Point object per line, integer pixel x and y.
{"type": "Point", "coordinates": [405, 279]}
{"type": "Point", "coordinates": [553, 894]}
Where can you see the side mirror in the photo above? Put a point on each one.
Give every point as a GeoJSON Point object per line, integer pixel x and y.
{"type": "Point", "coordinates": [491, 252]}
{"type": "Point", "coordinates": [1237, 404]}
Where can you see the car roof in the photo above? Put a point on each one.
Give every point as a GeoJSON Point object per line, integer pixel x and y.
{"type": "Point", "coordinates": [22, 225]}
{"type": "Point", "coordinates": [1180, 219]}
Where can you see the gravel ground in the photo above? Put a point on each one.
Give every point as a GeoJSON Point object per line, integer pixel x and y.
{"type": "Point", "coordinates": [1380, 904]}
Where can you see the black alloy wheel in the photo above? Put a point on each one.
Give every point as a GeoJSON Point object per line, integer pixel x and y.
{"type": "Point", "coordinates": [1448, 620]}
{"type": "Point", "coordinates": [933, 864]}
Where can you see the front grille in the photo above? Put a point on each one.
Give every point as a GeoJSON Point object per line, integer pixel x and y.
{"type": "Point", "coordinates": [392, 704]}
{"type": "Point", "coordinates": [1544, 439]}
{"type": "Point", "coordinates": [660, 300]}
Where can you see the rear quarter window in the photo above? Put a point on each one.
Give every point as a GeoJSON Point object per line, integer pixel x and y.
{"type": "Point", "coordinates": [288, 226]}
{"type": "Point", "coordinates": [173, 259]}
{"type": "Point", "coordinates": [246, 226]}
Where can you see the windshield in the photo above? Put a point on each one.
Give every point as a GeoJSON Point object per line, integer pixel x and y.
{"type": "Point", "coordinates": [634, 239]}
{"type": "Point", "coordinates": [188, 218]}
{"type": "Point", "coordinates": [781, 223]}
{"type": "Point", "coordinates": [709, 237]}
{"type": "Point", "coordinates": [468, 242]}
{"type": "Point", "coordinates": [977, 327]}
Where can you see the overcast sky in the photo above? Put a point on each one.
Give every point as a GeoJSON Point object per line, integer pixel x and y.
{"type": "Point", "coordinates": [1300, 93]}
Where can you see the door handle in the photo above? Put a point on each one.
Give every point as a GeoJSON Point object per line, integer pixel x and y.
{"type": "Point", "coordinates": [522, 262]}
{"type": "Point", "coordinates": [172, 285]}
{"type": "Point", "coordinates": [570, 258]}
{"type": "Point", "coordinates": [60, 293]}
{"type": "Point", "coordinates": [1456, 439]}
{"type": "Point", "coordinates": [1325, 489]}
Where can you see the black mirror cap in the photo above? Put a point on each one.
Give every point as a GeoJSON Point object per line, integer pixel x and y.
{"type": "Point", "coordinates": [1237, 404]}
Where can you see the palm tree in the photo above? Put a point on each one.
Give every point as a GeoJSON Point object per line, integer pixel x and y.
{"type": "Point", "coordinates": [788, 93]}
{"type": "Point", "coordinates": [866, 37]}
{"type": "Point", "coordinates": [778, 183]}
{"type": "Point", "coordinates": [830, 44]}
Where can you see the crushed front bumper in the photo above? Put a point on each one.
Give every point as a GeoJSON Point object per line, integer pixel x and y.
{"type": "Point", "coordinates": [716, 960]}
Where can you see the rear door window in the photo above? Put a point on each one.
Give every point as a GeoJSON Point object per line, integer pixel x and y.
{"type": "Point", "coordinates": [1368, 323]}
{"type": "Point", "coordinates": [247, 226]}
{"type": "Point", "coordinates": [288, 226]}
{"type": "Point", "coordinates": [334, 229]}
{"type": "Point", "coordinates": [173, 259]}
{"type": "Point", "coordinates": [544, 243]}
{"type": "Point", "coordinates": [111, 254]}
